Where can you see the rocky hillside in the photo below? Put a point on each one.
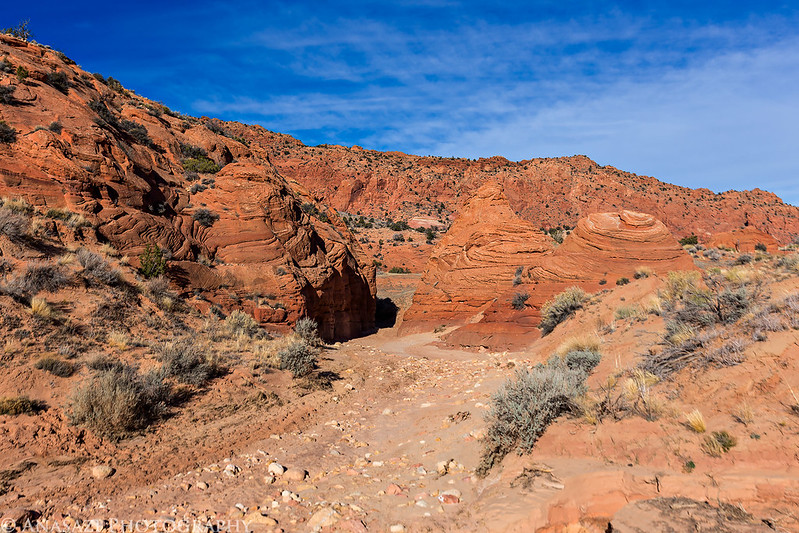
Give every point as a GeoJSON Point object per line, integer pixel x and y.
{"type": "Point", "coordinates": [546, 192]}
{"type": "Point", "coordinates": [113, 167]}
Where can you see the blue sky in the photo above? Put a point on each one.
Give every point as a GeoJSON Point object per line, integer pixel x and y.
{"type": "Point", "coordinates": [703, 94]}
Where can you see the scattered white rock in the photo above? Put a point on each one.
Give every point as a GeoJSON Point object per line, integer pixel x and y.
{"type": "Point", "coordinates": [102, 472]}
{"type": "Point", "coordinates": [397, 528]}
{"type": "Point", "coordinates": [276, 469]}
{"type": "Point", "coordinates": [324, 517]}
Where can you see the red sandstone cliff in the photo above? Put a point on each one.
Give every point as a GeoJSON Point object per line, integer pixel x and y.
{"type": "Point", "coordinates": [116, 159]}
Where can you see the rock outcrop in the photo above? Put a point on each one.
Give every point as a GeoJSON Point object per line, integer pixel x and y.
{"type": "Point", "coordinates": [492, 272]}
{"type": "Point", "coordinates": [244, 236]}
{"type": "Point", "coordinates": [548, 192]}
{"type": "Point", "coordinates": [744, 240]}
{"type": "Point", "coordinates": [475, 262]}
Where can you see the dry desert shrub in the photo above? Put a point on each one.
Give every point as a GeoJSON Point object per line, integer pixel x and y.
{"type": "Point", "coordinates": [525, 405]}
{"type": "Point", "coordinates": [718, 443]}
{"type": "Point", "coordinates": [187, 362]}
{"type": "Point", "coordinates": [38, 277]}
{"type": "Point", "coordinates": [308, 330]}
{"type": "Point", "coordinates": [298, 357]}
{"type": "Point", "coordinates": [118, 401]}
{"type": "Point", "coordinates": [20, 405]}
{"type": "Point", "coordinates": [95, 268]}
{"type": "Point", "coordinates": [118, 339]}
{"type": "Point", "coordinates": [653, 306]}
{"type": "Point", "coordinates": [678, 283]}
{"type": "Point", "coordinates": [560, 308]}
{"type": "Point", "coordinates": [638, 391]}
{"type": "Point", "coordinates": [239, 323]}
{"type": "Point", "coordinates": [643, 272]}
{"type": "Point", "coordinates": [13, 225]}
{"type": "Point", "coordinates": [56, 367]}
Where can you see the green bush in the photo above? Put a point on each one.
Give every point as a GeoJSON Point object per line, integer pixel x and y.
{"type": "Point", "coordinates": [56, 367]}
{"type": "Point", "coordinates": [689, 240]}
{"type": "Point", "coordinates": [152, 261]}
{"type": "Point", "coordinates": [622, 281]}
{"type": "Point", "coordinates": [203, 165]}
{"type": "Point", "coordinates": [192, 152]}
{"type": "Point", "coordinates": [136, 131]}
{"type": "Point", "coordinates": [299, 358]}
{"type": "Point", "coordinates": [760, 247]}
{"type": "Point", "coordinates": [524, 406]}
{"type": "Point", "coordinates": [205, 217]}
{"type": "Point", "coordinates": [58, 80]}
{"type": "Point", "coordinates": [8, 134]}
{"type": "Point", "coordinates": [560, 308]}
{"type": "Point", "coordinates": [119, 401]}
{"type": "Point", "coordinates": [399, 270]}
{"type": "Point", "coordinates": [20, 31]}
{"type": "Point", "coordinates": [22, 73]}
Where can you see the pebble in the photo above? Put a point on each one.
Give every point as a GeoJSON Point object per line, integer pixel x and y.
{"type": "Point", "coordinates": [276, 469]}
{"type": "Point", "coordinates": [397, 528]}
{"type": "Point", "coordinates": [231, 470]}
{"type": "Point", "coordinates": [295, 474]}
{"type": "Point", "coordinates": [102, 472]}
{"type": "Point", "coordinates": [202, 485]}
{"type": "Point", "coordinates": [324, 517]}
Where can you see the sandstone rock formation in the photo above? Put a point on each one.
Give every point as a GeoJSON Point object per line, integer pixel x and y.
{"type": "Point", "coordinates": [492, 272]}
{"type": "Point", "coordinates": [87, 146]}
{"type": "Point", "coordinates": [744, 240]}
{"type": "Point", "coordinates": [475, 261]}
{"type": "Point", "coordinates": [548, 192]}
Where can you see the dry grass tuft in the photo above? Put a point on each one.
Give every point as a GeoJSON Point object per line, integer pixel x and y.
{"type": "Point", "coordinates": [678, 283]}
{"type": "Point", "coordinates": [643, 272]}
{"type": "Point", "coordinates": [589, 342]}
{"type": "Point", "coordinates": [744, 414]}
{"type": "Point", "coordinates": [653, 306]}
{"type": "Point", "coordinates": [118, 339]}
{"type": "Point", "coordinates": [696, 421]}
{"type": "Point", "coordinates": [627, 311]}
{"type": "Point", "coordinates": [40, 308]}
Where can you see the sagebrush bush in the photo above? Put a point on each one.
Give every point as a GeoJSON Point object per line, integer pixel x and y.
{"type": "Point", "coordinates": [13, 225]}
{"type": "Point", "coordinates": [626, 311]}
{"type": "Point", "coordinates": [57, 367]}
{"type": "Point", "coordinates": [38, 276]}
{"type": "Point", "coordinates": [299, 358]}
{"type": "Point", "coordinates": [96, 268]}
{"type": "Point", "coordinates": [205, 217]}
{"type": "Point", "coordinates": [560, 308]}
{"type": "Point", "coordinates": [524, 406]}
{"type": "Point", "coordinates": [20, 405]}
{"type": "Point", "coordinates": [308, 330]}
{"type": "Point", "coordinates": [519, 300]}
{"type": "Point", "coordinates": [583, 360]}
{"type": "Point", "coordinates": [118, 401]}
{"type": "Point", "coordinates": [241, 323]}
{"type": "Point", "coordinates": [185, 361]}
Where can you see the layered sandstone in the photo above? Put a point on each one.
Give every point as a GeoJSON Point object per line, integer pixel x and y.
{"type": "Point", "coordinates": [116, 160]}
{"type": "Point", "coordinates": [475, 261]}
{"type": "Point", "coordinates": [492, 272]}
{"type": "Point", "coordinates": [745, 240]}
{"type": "Point", "coordinates": [548, 192]}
